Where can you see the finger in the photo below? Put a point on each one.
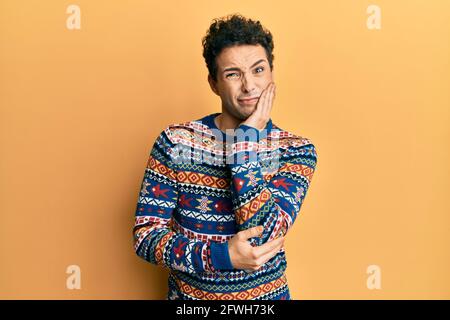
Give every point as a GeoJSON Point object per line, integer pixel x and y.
{"type": "Point", "coordinates": [263, 97]}
{"type": "Point", "coordinates": [268, 246]}
{"type": "Point", "coordinates": [274, 91]}
{"type": "Point", "coordinates": [266, 107]}
{"type": "Point", "coordinates": [272, 98]}
{"type": "Point", "coordinates": [269, 103]}
{"type": "Point", "coordinates": [267, 93]}
{"type": "Point", "coordinates": [266, 257]}
{"type": "Point", "coordinates": [260, 103]}
{"type": "Point", "coordinates": [251, 232]}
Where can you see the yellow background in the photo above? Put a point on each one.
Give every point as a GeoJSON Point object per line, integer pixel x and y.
{"type": "Point", "coordinates": [80, 110]}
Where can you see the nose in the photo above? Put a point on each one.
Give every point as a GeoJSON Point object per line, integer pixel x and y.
{"type": "Point", "coordinates": [248, 85]}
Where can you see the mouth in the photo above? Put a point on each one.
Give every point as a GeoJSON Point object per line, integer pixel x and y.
{"type": "Point", "coordinates": [249, 101]}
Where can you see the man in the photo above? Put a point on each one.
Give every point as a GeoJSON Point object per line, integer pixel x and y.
{"type": "Point", "coordinates": [218, 224]}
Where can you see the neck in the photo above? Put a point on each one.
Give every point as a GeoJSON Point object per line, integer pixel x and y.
{"type": "Point", "coordinates": [226, 121]}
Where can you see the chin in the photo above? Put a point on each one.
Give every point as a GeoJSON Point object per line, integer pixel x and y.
{"type": "Point", "coordinates": [242, 113]}
{"type": "Point", "coordinates": [246, 110]}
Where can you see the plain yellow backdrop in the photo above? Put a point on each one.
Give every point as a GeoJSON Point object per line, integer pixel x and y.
{"type": "Point", "coordinates": [80, 110]}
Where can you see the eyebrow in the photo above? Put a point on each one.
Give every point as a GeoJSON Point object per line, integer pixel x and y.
{"type": "Point", "coordinates": [237, 69]}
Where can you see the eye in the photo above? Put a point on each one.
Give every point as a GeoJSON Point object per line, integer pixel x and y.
{"type": "Point", "coordinates": [262, 69]}
{"type": "Point", "coordinates": [230, 74]}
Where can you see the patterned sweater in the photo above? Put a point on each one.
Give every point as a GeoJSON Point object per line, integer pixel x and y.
{"type": "Point", "coordinates": [201, 186]}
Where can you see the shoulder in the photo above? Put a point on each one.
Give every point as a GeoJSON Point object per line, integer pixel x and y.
{"type": "Point", "coordinates": [184, 132]}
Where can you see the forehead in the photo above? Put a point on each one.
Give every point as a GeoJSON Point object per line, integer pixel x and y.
{"type": "Point", "coordinates": [240, 56]}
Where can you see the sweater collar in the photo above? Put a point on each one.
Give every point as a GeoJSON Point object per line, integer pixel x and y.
{"type": "Point", "coordinates": [209, 121]}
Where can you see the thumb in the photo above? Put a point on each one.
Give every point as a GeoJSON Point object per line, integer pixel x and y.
{"type": "Point", "coordinates": [252, 232]}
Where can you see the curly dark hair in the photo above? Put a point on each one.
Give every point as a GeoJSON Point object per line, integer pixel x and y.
{"type": "Point", "coordinates": [234, 30]}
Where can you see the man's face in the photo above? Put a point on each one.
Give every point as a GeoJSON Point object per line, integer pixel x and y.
{"type": "Point", "coordinates": [243, 72]}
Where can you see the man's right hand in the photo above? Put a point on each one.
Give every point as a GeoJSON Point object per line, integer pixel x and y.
{"type": "Point", "coordinates": [244, 256]}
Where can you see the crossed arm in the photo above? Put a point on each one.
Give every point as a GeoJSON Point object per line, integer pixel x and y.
{"type": "Point", "coordinates": [273, 204]}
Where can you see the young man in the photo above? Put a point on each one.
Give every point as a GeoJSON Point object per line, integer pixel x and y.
{"type": "Point", "coordinates": [220, 193]}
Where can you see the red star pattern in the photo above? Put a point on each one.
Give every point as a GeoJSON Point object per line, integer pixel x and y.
{"type": "Point", "coordinates": [238, 183]}
{"type": "Point", "coordinates": [222, 205]}
{"type": "Point", "coordinates": [282, 182]}
{"type": "Point", "coordinates": [157, 191]}
{"type": "Point", "coordinates": [179, 252]}
{"type": "Point", "coordinates": [185, 201]}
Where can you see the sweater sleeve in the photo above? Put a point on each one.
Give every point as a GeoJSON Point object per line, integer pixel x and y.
{"type": "Point", "coordinates": [154, 239]}
{"type": "Point", "coordinates": [274, 203]}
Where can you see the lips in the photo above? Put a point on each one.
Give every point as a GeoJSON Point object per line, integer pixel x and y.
{"type": "Point", "coordinates": [248, 101]}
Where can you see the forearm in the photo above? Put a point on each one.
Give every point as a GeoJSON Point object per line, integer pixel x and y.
{"type": "Point", "coordinates": [276, 202]}
{"type": "Point", "coordinates": [158, 244]}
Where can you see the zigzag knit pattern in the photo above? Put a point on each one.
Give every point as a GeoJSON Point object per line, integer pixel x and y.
{"type": "Point", "coordinates": [200, 188]}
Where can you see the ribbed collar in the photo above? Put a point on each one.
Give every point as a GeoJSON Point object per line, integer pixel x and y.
{"type": "Point", "coordinates": [209, 121]}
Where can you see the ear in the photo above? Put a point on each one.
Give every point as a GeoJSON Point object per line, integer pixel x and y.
{"type": "Point", "coordinates": [213, 84]}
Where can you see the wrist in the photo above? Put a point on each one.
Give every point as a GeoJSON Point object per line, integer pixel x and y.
{"type": "Point", "coordinates": [220, 256]}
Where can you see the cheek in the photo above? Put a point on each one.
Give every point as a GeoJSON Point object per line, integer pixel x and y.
{"type": "Point", "coordinates": [267, 79]}
{"type": "Point", "coordinates": [232, 93]}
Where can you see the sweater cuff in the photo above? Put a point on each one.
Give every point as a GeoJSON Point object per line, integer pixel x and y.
{"type": "Point", "coordinates": [220, 256]}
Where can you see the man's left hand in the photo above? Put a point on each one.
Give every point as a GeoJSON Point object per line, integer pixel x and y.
{"type": "Point", "coordinates": [259, 118]}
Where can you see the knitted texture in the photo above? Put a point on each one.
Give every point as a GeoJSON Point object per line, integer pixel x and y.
{"type": "Point", "coordinates": [201, 186]}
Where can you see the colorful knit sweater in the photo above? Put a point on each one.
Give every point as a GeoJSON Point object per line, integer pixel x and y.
{"type": "Point", "coordinates": [194, 198]}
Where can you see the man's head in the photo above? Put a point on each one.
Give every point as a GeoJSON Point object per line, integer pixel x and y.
{"type": "Point", "coordinates": [238, 54]}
